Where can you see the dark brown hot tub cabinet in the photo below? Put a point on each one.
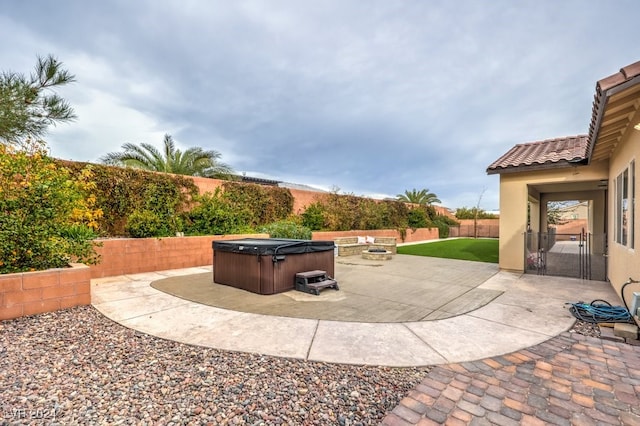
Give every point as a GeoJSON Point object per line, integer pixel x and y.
{"type": "Point", "coordinates": [269, 265]}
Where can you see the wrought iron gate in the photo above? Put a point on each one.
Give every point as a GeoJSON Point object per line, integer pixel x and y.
{"type": "Point", "coordinates": [581, 255]}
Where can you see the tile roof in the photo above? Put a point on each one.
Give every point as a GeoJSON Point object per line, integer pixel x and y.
{"type": "Point", "coordinates": [559, 152]}
{"type": "Point", "coordinates": [604, 87]}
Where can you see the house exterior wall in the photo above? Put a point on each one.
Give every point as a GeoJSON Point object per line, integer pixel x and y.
{"type": "Point", "coordinates": [596, 223]}
{"type": "Point", "coordinates": [513, 221]}
{"type": "Point", "coordinates": [575, 212]}
{"type": "Point", "coordinates": [515, 193]}
{"type": "Point", "coordinates": [623, 261]}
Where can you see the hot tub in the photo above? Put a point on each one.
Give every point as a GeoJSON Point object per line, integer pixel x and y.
{"type": "Point", "coordinates": [270, 265]}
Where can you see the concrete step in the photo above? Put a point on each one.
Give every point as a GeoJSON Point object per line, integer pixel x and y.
{"type": "Point", "coordinates": [628, 331]}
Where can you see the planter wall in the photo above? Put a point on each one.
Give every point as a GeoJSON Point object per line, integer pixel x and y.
{"type": "Point", "coordinates": [29, 293]}
{"type": "Point", "coordinates": [121, 256]}
{"type": "Point", "coordinates": [412, 235]}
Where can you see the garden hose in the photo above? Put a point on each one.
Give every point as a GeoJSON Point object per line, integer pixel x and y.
{"type": "Point", "coordinates": [601, 311]}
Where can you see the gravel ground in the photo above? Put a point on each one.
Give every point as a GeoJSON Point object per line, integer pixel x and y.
{"type": "Point", "coordinates": [585, 328]}
{"type": "Point", "coordinates": [78, 367]}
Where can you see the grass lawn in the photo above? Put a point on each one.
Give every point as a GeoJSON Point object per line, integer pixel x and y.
{"type": "Point", "coordinates": [480, 250]}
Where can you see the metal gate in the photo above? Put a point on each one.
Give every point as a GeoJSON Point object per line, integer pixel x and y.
{"type": "Point", "coordinates": [581, 255]}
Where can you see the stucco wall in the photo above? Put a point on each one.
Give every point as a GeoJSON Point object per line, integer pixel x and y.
{"type": "Point", "coordinates": [571, 227]}
{"type": "Point", "coordinates": [623, 261]}
{"type": "Point", "coordinates": [514, 195]}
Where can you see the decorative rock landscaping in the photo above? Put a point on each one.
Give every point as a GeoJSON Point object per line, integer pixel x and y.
{"type": "Point", "coordinates": [78, 367]}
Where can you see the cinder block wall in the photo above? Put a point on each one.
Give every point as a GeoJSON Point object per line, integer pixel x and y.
{"type": "Point", "coordinates": [487, 228]}
{"type": "Point", "coordinates": [412, 235]}
{"type": "Point", "coordinates": [123, 256]}
{"type": "Point", "coordinates": [30, 293]}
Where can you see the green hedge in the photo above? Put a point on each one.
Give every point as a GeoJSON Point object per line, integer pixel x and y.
{"type": "Point", "coordinates": [47, 215]}
{"type": "Point", "coordinates": [122, 192]}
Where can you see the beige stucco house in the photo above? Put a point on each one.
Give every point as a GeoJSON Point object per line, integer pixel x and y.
{"type": "Point", "coordinates": [598, 167]}
{"type": "Point", "coordinates": [577, 211]}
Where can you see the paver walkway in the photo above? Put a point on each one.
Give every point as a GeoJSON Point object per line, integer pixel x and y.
{"type": "Point", "coordinates": [570, 379]}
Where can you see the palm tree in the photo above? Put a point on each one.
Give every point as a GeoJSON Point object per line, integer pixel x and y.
{"type": "Point", "coordinates": [193, 162]}
{"type": "Point", "coordinates": [423, 197]}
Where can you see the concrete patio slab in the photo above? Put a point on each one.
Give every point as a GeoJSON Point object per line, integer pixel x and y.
{"type": "Point", "coordinates": [475, 314]}
{"type": "Point", "coordinates": [129, 307]}
{"type": "Point", "coordinates": [468, 338]}
{"type": "Point", "coordinates": [371, 344]}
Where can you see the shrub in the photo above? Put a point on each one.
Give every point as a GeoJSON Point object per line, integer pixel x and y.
{"type": "Point", "coordinates": [265, 204]}
{"type": "Point", "coordinates": [347, 212]}
{"type": "Point", "coordinates": [417, 218]}
{"type": "Point", "coordinates": [214, 215]}
{"type": "Point", "coordinates": [47, 217]}
{"type": "Point", "coordinates": [145, 224]}
{"type": "Point", "coordinates": [120, 191]}
{"type": "Point", "coordinates": [443, 223]}
{"type": "Point", "coordinates": [286, 229]}
{"type": "Point", "coordinates": [313, 217]}
{"type": "Point", "coordinates": [443, 229]}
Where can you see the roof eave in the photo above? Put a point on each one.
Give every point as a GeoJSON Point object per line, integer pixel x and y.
{"type": "Point", "coordinates": [563, 164]}
{"type": "Point", "coordinates": [603, 95]}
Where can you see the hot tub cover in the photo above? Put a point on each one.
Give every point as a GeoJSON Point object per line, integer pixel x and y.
{"type": "Point", "coordinates": [272, 246]}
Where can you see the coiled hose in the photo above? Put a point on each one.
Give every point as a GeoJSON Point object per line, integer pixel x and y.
{"type": "Point", "coordinates": [600, 311]}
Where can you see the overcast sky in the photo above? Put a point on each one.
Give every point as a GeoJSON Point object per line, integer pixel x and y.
{"type": "Point", "coordinates": [369, 96]}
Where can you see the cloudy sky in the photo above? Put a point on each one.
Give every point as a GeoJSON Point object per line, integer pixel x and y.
{"type": "Point", "coordinates": [369, 96]}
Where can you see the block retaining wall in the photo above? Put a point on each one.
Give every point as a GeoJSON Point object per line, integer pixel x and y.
{"type": "Point", "coordinates": [121, 256]}
{"type": "Point", "coordinates": [412, 235]}
{"type": "Point", "coordinates": [29, 293]}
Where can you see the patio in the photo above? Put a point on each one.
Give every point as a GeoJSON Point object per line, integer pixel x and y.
{"type": "Point", "coordinates": [451, 323]}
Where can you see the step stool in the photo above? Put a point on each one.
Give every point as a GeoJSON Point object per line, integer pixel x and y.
{"type": "Point", "coordinates": [313, 281]}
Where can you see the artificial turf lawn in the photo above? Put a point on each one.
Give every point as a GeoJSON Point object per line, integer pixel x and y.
{"type": "Point", "coordinates": [478, 250]}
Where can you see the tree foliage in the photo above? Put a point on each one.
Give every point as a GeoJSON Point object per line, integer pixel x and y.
{"type": "Point", "coordinates": [286, 229]}
{"type": "Point", "coordinates": [194, 161]}
{"type": "Point", "coordinates": [266, 204]}
{"type": "Point", "coordinates": [215, 215]}
{"type": "Point", "coordinates": [422, 197]}
{"type": "Point", "coordinates": [470, 213]}
{"type": "Point", "coordinates": [335, 212]}
{"type": "Point", "coordinates": [238, 208]}
{"type": "Point", "coordinates": [555, 210]}
{"type": "Point", "coordinates": [29, 105]}
{"type": "Point", "coordinates": [121, 192]}
{"type": "Point", "coordinates": [48, 217]}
